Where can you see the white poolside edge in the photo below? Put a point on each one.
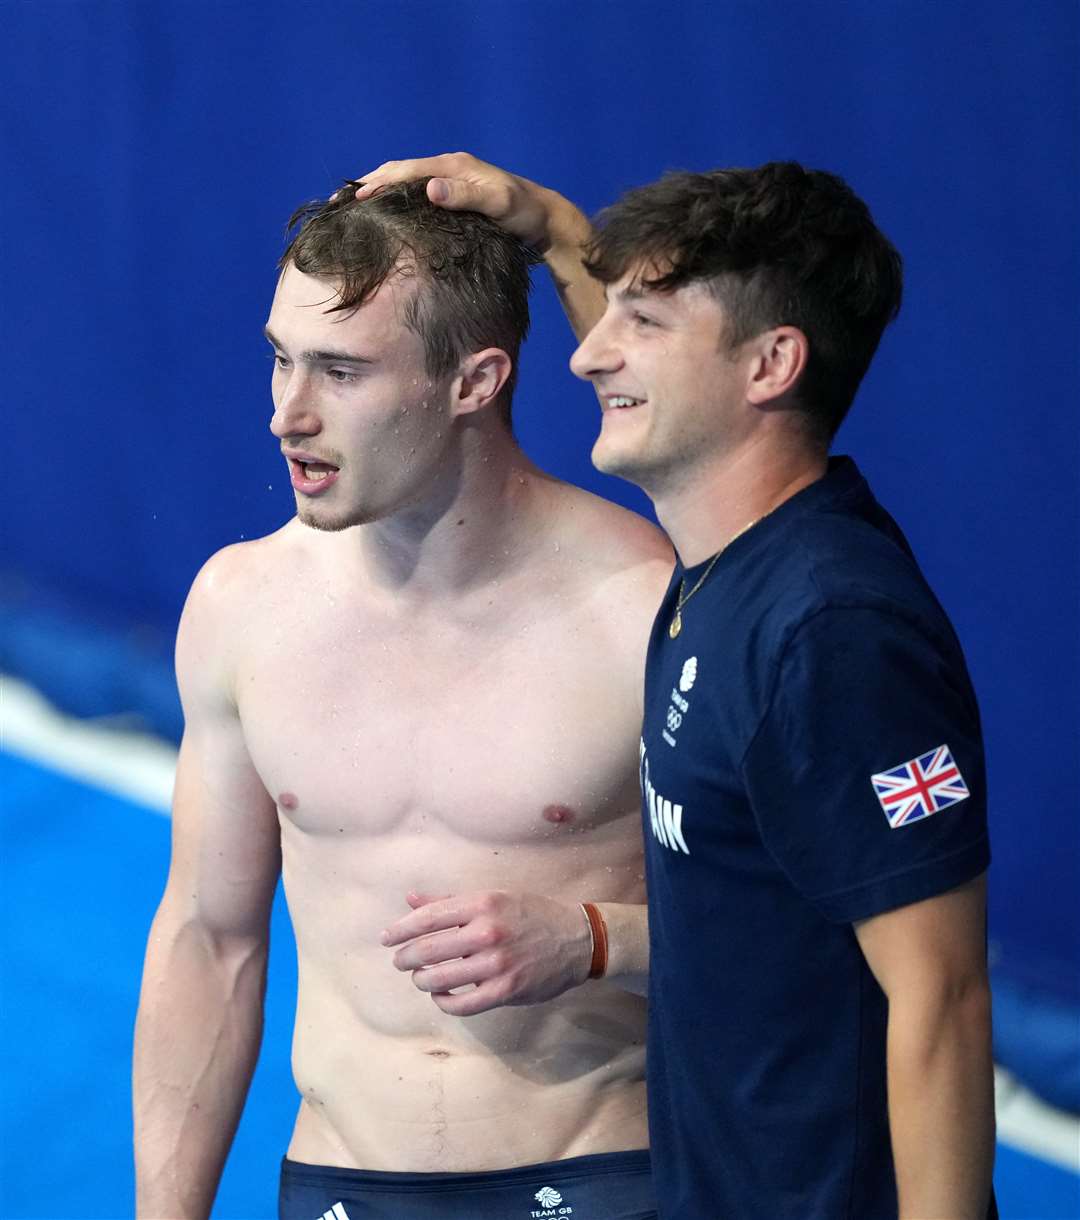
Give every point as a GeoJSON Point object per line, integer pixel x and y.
{"type": "Point", "coordinates": [141, 768]}
{"type": "Point", "coordinates": [136, 766]}
{"type": "Point", "coordinates": [1030, 1125]}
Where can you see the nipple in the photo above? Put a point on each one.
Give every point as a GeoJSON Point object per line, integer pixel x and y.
{"type": "Point", "coordinates": [287, 800]}
{"type": "Point", "coordinates": [558, 814]}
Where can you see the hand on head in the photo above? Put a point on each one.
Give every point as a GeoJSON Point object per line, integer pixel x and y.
{"type": "Point", "coordinates": [461, 182]}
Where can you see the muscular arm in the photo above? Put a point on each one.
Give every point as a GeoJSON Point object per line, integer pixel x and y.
{"type": "Point", "coordinates": [930, 960]}
{"type": "Point", "coordinates": [541, 217]}
{"type": "Point", "coordinates": [199, 1024]}
{"type": "Point", "coordinates": [513, 948]}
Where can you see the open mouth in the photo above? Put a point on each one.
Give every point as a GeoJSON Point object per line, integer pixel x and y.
{"type": "Point", "coordinates": [309, 476]}
{"type": "Point", "coordinates": [620, 402]}
{"type": "Point", "coordinates": [313, 472]}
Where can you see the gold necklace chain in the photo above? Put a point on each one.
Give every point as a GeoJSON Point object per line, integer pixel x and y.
{"type": "Point", "coordinates": [676, 619]}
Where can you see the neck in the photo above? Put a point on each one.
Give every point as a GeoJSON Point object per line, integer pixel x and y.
{"type": "Point", "coordinates": [473, 528]}
{"type": "Point", "coordinates": [705, 512]}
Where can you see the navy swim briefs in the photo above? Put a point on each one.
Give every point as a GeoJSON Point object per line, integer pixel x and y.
{"type": "Point", "coordinates": [607, 1186]}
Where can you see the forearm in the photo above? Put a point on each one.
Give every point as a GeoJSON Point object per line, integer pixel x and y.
{"type": "Point", "coordinates": [581, 296]}
{"type": "Point", "coordinates": [628, 945]}
{"type": "Point", "coordinates": [196, 1042]}
{"type": "Point", "coordinates": [941, 1105]}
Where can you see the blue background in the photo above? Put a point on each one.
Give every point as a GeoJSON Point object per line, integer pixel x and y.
{"type": "Point", "coordinates": [153, 151]}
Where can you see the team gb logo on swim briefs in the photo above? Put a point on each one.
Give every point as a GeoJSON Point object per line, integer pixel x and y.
{"type": "Point", "coordinates": [549, 1199]}
{"type": "Point", "coordinates": [689, 675]}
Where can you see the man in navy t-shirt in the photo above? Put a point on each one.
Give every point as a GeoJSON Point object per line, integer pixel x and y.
{"type": "Point", "coordinates": [811, 757]}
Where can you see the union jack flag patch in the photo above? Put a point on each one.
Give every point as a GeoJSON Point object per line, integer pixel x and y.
{"type": "Point", "coordinates": [919, 788]}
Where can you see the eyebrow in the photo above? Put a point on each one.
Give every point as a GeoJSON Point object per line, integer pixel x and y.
{"type": "Point", "coordinates": [321, 356]}
{"type": "Point", "coordinates": [632, 293]}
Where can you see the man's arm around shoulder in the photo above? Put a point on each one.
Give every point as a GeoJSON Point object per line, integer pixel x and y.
{"type": "Point", "coordinates": [200, 1010]}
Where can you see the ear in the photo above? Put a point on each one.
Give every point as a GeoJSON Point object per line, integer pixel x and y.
{"type": "Point", "coordinates": [781, 356]}
{"type": "Point", "coordinates": [481, 377]}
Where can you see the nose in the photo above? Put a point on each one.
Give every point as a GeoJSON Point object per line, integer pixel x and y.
{"type": "Point", "coordinates": [597, 353]}
{"type": "Point", "coordinates": [295, 413]}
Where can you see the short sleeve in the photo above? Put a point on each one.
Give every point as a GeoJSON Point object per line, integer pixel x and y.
{"type": "Point", "coordinates": [866, 774]}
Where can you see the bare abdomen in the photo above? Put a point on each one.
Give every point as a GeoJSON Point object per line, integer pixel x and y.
{"type": "Point", "coordinates": [418, 1091]}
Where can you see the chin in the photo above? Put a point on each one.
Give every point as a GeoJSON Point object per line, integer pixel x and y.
{"type": "Point", "coordinates": [610, 459]}
{"type": "Point", "coordinates": [329, 522]}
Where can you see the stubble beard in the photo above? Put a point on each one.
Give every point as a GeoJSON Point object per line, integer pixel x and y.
{"type": "Point", "coordinates": [311, 517]}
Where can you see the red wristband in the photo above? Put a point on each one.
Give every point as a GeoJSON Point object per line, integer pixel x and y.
{"type": "Point", "coordinates": [598, 929]}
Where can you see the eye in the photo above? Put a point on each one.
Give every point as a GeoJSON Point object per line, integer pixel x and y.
{"type": "Point", "coordinates": [642, 320]}
{"type": "Point", "coordinates": [280, 361]}
{"type": "Point", "coordinates": [342, 376]}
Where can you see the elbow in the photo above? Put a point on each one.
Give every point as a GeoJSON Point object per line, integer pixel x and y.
{"type": "Point", "coordinates": [950, 1011]}
{"type": "Point", "coordinates": [188, 945]}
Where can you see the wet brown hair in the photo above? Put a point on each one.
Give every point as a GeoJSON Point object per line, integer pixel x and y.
{"type": "Point", "coordinates": [473, 278]}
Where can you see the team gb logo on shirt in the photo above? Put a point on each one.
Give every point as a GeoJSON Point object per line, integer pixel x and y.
{"type": "Point", "coordinates": [679, 706]}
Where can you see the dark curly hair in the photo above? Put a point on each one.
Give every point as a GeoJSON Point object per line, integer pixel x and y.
{"type": "Point", "coordinates": [778, 245]}
{"type": "Point", "coordinates": [473, 279]}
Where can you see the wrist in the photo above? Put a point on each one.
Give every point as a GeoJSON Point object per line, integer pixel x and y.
{"type": "Point", "coordinates": [598, 934]}
{"type": "Point", "coordinates": [566, 227]}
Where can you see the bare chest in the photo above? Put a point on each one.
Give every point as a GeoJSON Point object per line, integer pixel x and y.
{"type": "Point", "coordinates": [494, 736]}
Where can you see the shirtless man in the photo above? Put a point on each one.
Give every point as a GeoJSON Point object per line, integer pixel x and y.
{"type": "Point", "coordinates": [429, 681]}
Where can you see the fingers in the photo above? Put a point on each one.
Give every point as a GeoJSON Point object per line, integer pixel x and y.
{"type": "Point", "coordinates": [441, 947]}
{"type": "Point", "coordinates": [416, 900]}
{"type": "Point", "coordinates": [454, 194]}
{"type": "Point", "coordinates": [465, 972]}
{"type": "Point", "coordinates": [426, 916]}
{"type": "Point", "coordinates": [445, 165]}
{"type": "Point", "coordinates": [489, 995]}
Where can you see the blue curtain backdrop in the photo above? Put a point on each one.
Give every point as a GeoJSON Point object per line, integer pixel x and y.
{"type": "Point", "coordinates": [153, 152]}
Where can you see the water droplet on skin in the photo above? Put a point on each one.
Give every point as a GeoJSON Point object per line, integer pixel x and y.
{"type": "Point", "coordinates": [556, 546]}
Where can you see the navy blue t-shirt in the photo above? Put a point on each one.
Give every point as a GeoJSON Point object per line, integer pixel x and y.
{"type": "Point", "coordinates": [811, 756]}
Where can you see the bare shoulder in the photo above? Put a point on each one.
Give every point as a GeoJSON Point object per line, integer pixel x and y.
{"type": "Point", "coordinates": [614, 549]}
{"type": "Point", "coordinates": [234, 573]}
{"type": "Point", "coordinates": [224, 603]}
